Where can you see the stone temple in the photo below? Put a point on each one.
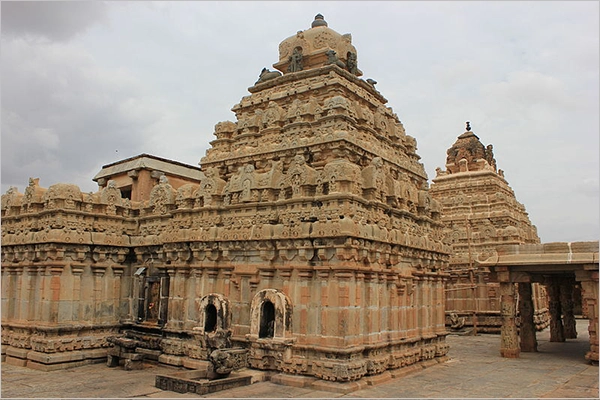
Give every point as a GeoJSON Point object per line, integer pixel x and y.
{"type": "Point", "coordinates": [480, 213]}
{"type": "Point", "coordinates": [308, 240]}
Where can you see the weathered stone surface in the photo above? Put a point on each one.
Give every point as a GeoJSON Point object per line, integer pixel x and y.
{"type": "Point", "coordinates": [480, 212]}
{"type": "Point", "coordinates": [310, 239]}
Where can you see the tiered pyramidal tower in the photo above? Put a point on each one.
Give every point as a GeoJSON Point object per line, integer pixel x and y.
{"type": "Point", "coordinates": [480, 212]}
{"type": "Point", "coordinates": [310, 240]}
{"type": "Point", "coordinates": [316, 195]}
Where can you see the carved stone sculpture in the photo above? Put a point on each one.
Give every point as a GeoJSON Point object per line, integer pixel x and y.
{"type": "Point", "coordinates": [266, 75]}
{"type": "Point", "coordinates": [295, 61]}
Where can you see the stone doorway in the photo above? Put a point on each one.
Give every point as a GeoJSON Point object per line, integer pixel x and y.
{"type": "Point", "coordinates": [267, 320]}
{"type": "Point", "coordinates": [153, 300]}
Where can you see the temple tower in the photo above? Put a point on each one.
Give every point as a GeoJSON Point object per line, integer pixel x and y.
{"type": "Point", "coordinates": [323, 211]}
{"type": "Point", "coordinates": [480, 211]}
{"type": "Point", "coordinates": [310, 238]}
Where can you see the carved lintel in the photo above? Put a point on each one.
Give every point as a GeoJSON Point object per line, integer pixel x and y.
{"type": "Point", "coordinates": [520, 277]}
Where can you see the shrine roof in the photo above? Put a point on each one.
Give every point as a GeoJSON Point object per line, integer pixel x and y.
{"type": "Point", "coordinates": [149, 162]}
{"type": "Point", "coordinates": [312, 46]}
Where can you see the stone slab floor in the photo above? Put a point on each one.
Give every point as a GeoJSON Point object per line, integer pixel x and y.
{"type": "Point", "coordinates": [475, 370]}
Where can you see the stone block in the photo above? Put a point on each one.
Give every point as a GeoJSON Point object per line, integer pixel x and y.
{"type": "Point", "coordinates": [112, 361]}
{"type": "Point", "coordinates": [55, 358]}
{"type": "Point", "coordinates": [150, 354]}
{"type": "Point", "coordinates": [17, 352]}
{"type": "Point", "coordinates": [95, 354]}
{"type": "Point", "coordinates": [429, 363]}
{"type": "Point", "coordinates": [55, 367]}
{"type": "Point", "coordinates": [114, 351]}
{"type": "Point", "coordinates": [19, 362]}
{"type": "Point", "coordinates": [293, 380]}
{"type": "Point", "coordinates": [131, 365]}
{"type": "Point", "coordinates": [132, 356]}
{"type": "Point", "coordinates": [171, 360]}
{"type": "Point", "coordinates": [379, 378]}
{"type": "Point", "coordinates": [339, 387]}
{"type": "Point", "coordinates": [402, 372]}
{"type": "Point", "coordinates": [192, 363]}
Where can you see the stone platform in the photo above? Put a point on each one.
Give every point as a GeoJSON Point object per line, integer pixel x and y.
{"type": "Point", "coordinates": [195, 381]}
{"type": "Point", "coordinates": [474, 370]}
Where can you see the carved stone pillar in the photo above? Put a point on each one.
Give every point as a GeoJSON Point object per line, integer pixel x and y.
{"type": "Point", "coordinates": [589, 286]}
{"type": "Point", "coordinates": [566, 305]}
{"type": "Point", "coordinates": [509, 346]}
{"type": "Point", "coordinates": [527, 331]}
{"type": "Point", "coordinates": [557, 333]}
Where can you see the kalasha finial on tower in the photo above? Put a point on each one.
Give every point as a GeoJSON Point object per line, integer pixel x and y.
{"type": "Point", "coordinates": [468, 126]}
{"type": "Point", "coordinates": [319, 21]}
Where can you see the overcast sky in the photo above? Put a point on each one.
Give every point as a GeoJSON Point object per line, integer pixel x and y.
{"type": "Point", "coordinates": [85, 84]}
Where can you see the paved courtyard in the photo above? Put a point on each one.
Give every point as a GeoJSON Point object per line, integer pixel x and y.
{"type": "Point", "coordinates": [474, 370]}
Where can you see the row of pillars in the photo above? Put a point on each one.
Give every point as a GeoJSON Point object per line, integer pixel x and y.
{"type": "Point", "coordinates": [562, 319]}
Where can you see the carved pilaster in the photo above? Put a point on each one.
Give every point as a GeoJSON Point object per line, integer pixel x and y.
{"type": "Point", "coordinates": [509, 346]}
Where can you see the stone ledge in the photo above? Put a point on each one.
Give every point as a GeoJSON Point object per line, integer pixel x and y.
{"type": "Point", "coordinates": [19, 362]}
{"type": "Point", "coordinates": [192, 363]}
{"type": "Point", "coordinates": [67, 358]}
{"type": "Point", "coordinates": [171, 360]}
{"type": "Point", "coordinates": [300, 381]}
{"type": "Point", "coordinates": [17, 352]}
{"type": "Point", "coordinates": [379, 378]}
{"type": "Point", "coordinates": [55, 367]}
{"type": "Point", "coordinates": [151, 354]}
{"type": "Point", "coordinates": [339, 387]}
{"type": "Point", "coordinates": [402, 372]}
{"type": "Point", "coordinates": [303, 381]}
{"type": "Point", "coordinates": [428, 363]}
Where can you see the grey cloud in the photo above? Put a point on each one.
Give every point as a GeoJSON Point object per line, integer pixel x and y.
{"type": "Point", "coordinates": [60, 112]}
{"type": "Point", "coordinates": [54, 20]}
{"type": "Point", "coordinates": [161, 76]}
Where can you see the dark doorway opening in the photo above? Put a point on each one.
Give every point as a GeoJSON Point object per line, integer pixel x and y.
{"type": "Point", "coordinates": [267, 320]}
{"type": "Point", "coordinates": [210, 319]}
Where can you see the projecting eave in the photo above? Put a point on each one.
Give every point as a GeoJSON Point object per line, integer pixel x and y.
{"type": "Point", "coordinates": [152, 163]}
{"type": "Point", "coordinates": [445, 176]}
{"type": "Point", "coordinates": [544, 258]}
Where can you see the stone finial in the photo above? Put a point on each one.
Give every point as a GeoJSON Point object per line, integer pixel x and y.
{"type": "Point", "coordinates": [468, 126]}
{"type": "Point", "coordinates": [319, 21]}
